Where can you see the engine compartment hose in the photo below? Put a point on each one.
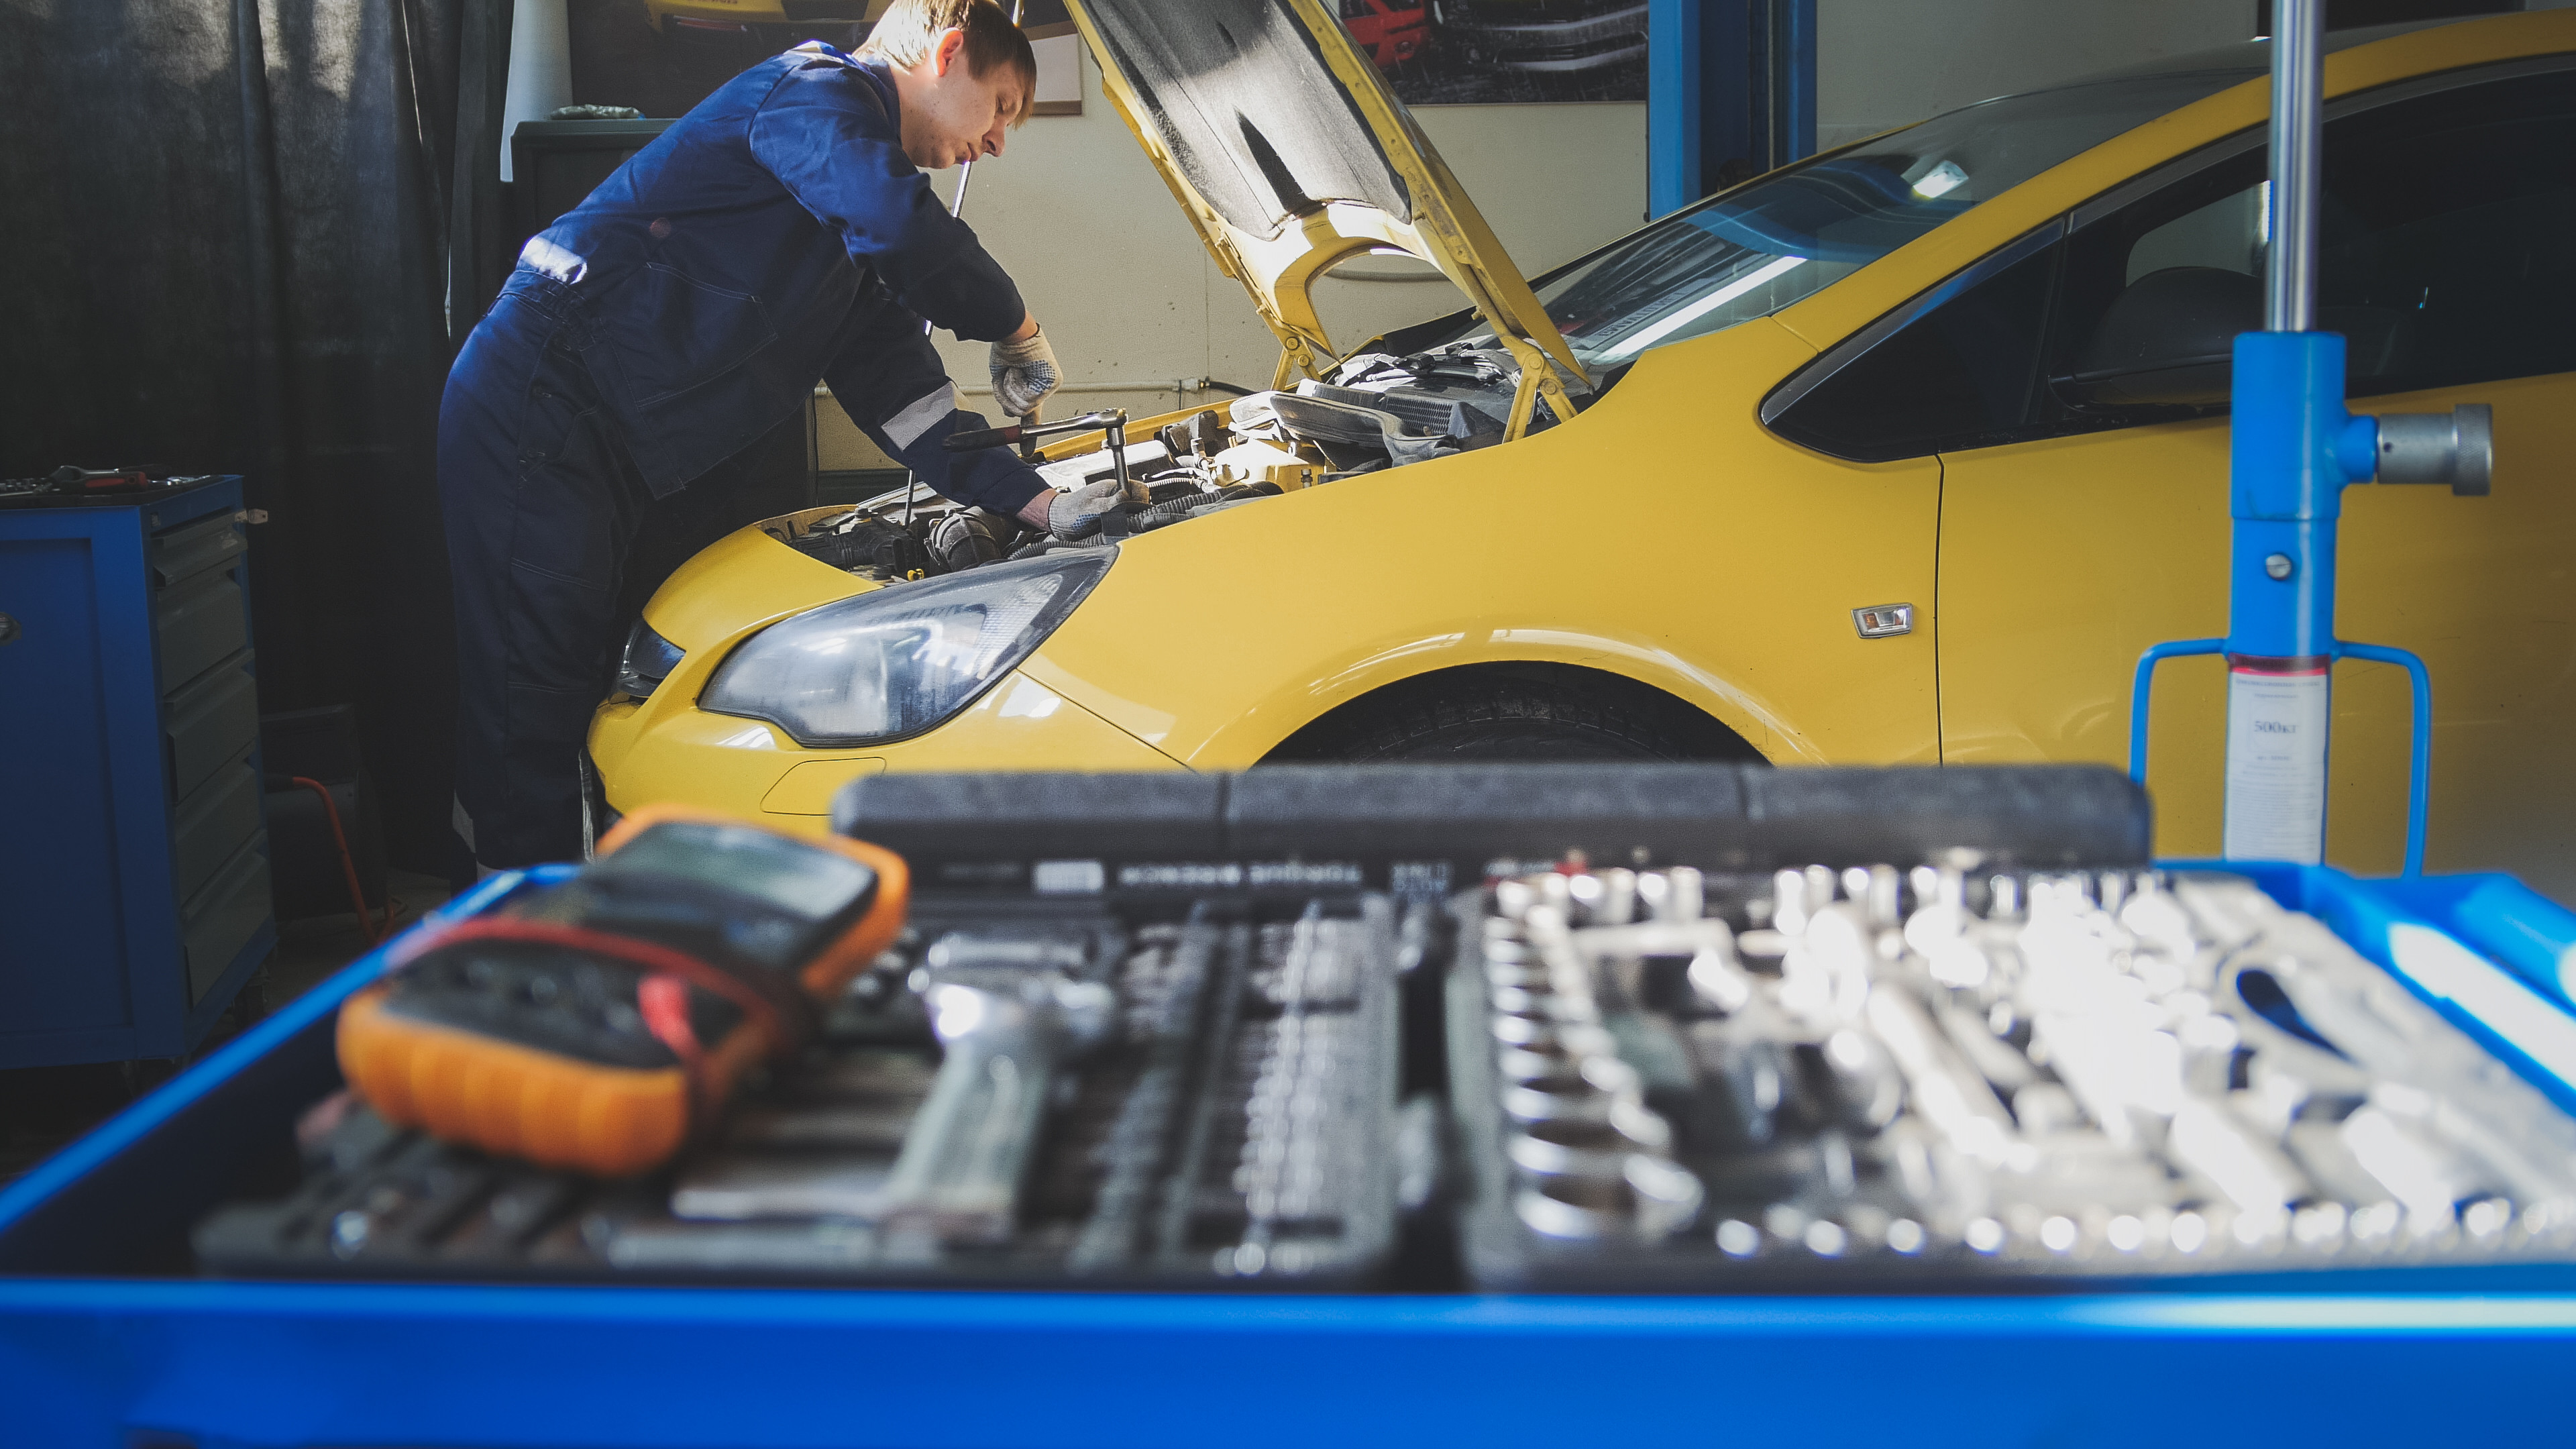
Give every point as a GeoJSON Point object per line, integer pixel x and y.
{"type": "Point", "coordinates": [1176, 509]}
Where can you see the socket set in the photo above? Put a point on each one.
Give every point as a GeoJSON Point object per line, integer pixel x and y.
{"type": "Point", "coordinates": [1174, 1092]}
{"type": "Point", "coordinates": [1949, 1077]}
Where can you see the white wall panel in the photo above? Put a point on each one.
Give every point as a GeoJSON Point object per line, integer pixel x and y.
{"type": "Point", "coordinates": [1883, 63]}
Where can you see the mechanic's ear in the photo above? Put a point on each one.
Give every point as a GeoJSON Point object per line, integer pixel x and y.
{"type": "Point", "coordinates": [947, 50]}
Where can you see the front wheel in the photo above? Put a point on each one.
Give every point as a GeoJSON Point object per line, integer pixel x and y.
{"type": "Point", "coordinates": [1492, 717]}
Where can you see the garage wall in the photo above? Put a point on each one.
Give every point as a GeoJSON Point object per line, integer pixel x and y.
{"type": "Point", "coordinates": [1128, 295]}
{"type": "Point", "coordinates": [1883, 63]}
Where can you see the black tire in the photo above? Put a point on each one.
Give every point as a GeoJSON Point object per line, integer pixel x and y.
{"type": "Point", "coordinates": [1490, 717]}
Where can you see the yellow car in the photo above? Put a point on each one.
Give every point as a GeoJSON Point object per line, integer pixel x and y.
{"type": "Point", "coordinates": [1900, 454]}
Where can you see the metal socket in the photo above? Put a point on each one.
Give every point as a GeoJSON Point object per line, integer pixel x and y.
{"type": "Point", "coordinates": [1650, 1198]}
{"type": "Point", "coordinates": [1588, 1093]}
{"type": "Point", "coordinates": [1580, 1147]}
{"type": "Point", "coordinates": [1558, 1055]}
{"type": "Point", "coordinates": [1537, 1031]}
{"type": "Point", "coordinates": [1543, 1005]}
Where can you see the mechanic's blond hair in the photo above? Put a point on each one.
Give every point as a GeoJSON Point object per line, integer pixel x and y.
{"type": "Point", "coordinates": [903, 35]}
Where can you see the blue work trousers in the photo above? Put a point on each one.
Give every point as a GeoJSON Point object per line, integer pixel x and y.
{"type": "Point", "coordinates": [543, 507]}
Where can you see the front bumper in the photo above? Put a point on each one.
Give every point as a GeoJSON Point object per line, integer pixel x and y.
{"type": "Point", "coordinates": [667, 750]}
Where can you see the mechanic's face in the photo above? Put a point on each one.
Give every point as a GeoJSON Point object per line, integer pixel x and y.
{"type": "Point", "coordinates": [951, 114]}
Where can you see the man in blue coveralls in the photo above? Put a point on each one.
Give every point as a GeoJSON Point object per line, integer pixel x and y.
{"type": "Point", "coordinates": [780, 233]}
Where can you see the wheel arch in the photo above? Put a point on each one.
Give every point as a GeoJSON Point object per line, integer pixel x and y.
{"type": "Point", "coordinates": [1708, 736]}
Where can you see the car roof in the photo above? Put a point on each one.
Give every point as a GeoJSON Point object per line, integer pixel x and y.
{"type": "Point", "coordinates": [2254, 56]}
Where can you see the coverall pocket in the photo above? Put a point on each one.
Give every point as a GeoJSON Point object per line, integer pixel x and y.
{"type": "Point", "coordinates": [677, 332]}
{"type": "Point", "coordinates": [558, 651]}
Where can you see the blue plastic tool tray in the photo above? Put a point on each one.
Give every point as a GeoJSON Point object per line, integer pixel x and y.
{"type": "Point", "coordinates": [126, 1358]}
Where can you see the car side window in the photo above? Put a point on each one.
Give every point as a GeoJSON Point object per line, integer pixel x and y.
{"type": "Point", "coordinates": [2443, 257]}
{"type": "Point", "coordinates": [2150, 301]}
{"type": "Point", "coordinates": [1959, 375]}
{"type": "Point", "coordinates": [2446, 256]}
{"type": "Point", "coordinates": [2226, 233]}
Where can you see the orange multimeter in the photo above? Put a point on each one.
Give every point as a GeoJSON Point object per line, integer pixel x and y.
{"type": "Point", "coordinates": [594, 1023]}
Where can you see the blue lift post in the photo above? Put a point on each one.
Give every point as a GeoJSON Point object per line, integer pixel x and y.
{"type": "Point", "coordinates": [2292, 450]}
{"type": "Point", "coordinates": [1726, 81]}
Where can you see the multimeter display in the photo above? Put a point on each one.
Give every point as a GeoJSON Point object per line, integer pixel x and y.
{"type": "Point", "coordinates": [794, 877]}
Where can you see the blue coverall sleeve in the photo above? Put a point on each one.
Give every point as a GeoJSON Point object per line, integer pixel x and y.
{"type": "Point", "coordinates": [827, 137]}
{"type": "Point", "coordinates": [890, 381]}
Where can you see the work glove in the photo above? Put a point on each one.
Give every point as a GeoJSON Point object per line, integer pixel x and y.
{"type": "Point", "coordinates": [1072, 515]}
{"type": "Point", "coordinates": [1023, 374]}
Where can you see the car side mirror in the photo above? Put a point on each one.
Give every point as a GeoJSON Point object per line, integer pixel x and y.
{"type": "Point", "coordinates": [2168, 340]}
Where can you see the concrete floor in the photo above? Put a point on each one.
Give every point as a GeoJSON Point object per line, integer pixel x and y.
{"type": "Point", "coordinates": [44, 1108]}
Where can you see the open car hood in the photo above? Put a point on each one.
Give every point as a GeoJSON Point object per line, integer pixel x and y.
{"type": "Point", "coordinates": [1290, 155]}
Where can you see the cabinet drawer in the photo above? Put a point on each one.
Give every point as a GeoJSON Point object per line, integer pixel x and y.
{"type": "Point", "coordinates": [213, 822]}
{"type": "Point", "coordinates": [209, 721]}
{"type": "Point", "coordinates": [194, 548]}
{"type": "Point", "coordinates": [221, 918]}
{"type": "Point", "coordinates": [199, 622]}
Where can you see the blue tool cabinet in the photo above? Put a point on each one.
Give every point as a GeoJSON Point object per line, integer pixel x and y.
{"type": "Point", "coordinates": [134, 884]}
{"type": "Point", "coordinates": [143, 1354]}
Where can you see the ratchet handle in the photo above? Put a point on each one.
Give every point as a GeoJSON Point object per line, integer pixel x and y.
{"type": "Point", "coordinates": [981, 438]}
{"type": "Point", "coordinates": [1030, 428]}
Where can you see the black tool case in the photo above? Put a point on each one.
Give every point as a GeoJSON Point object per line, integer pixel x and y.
{"type": "Point", "coordinates": [1149, 1169]}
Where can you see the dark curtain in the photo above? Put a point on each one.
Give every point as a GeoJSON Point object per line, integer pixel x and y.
{"type": "Point", "coordinates": [246, 236]}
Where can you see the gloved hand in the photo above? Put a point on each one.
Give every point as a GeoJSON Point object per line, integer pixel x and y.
{"type": "Point", "coordinates": [1024, 373]}
{"type": "Point", "coordinates": [1072, 515]}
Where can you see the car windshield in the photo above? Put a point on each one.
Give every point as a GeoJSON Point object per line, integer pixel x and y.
{"type": "Point", "coordinates": [1754, 250]}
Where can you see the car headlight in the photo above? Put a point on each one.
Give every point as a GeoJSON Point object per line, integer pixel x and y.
{"type": "Point", "coordinates": [891, 663]}
{"type": "Point", "coordinates": [649, 659]}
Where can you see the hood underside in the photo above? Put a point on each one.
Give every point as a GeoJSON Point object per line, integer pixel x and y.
{"type": "Point", "coordinates": [1290, 155]}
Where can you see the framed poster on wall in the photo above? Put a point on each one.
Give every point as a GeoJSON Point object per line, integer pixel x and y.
{"type": "Point", "coordinates": [1059, 51]}
{"type": "Point", "coordinates": [1487, 52]}
{"type": "Point", "coordinates": [664, 56]}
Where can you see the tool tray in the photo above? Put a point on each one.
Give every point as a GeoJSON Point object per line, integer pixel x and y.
{"type": "Point", "coordinates": [1155, 1164]}
{"type": "Point", "coordinates": [2010, 1081]}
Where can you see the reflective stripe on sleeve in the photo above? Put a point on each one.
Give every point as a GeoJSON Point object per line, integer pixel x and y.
{"type": "Point", "coordinates": [906, 427]}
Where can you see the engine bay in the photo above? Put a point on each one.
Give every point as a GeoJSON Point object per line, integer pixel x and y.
{"type": "Point", "coordinates": [1372, 412]}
